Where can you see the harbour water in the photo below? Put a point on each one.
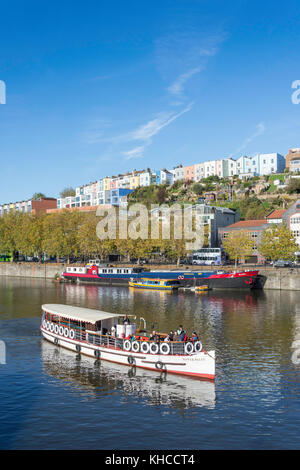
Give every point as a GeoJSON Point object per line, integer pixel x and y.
{"type": "Point", "coordinates": [54, 399]}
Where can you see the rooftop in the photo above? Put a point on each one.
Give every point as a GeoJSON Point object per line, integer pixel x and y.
{"type": "Point", "coordinates": [276, 214]}
{"type": "Point", "coordinates": [248, 223]}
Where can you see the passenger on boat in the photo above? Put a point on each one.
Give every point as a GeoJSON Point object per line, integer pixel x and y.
{"type": "Point", "coordinates": [126, 320]}
{"type": "Point", "coordinates": [181, 334]}
{"type": "Point", "coordinates": [171, 335]}
{"type": "Point", "coordinates": [154, 337]}
{"type": "Point", "coordinates": [194, 336]}
{"type": "Point", "coordinates": [113, 330]}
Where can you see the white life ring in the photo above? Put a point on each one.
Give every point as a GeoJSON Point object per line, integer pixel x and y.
{"type": "Point", "coordinates": [61, 330]}
{"type": "Point", "coordinates": [51, 327]}
{"type": "Point", "coordinates": [127, 345]}
{"type": "Point", "coordinates": [165, 348]}
{"type": "Point", "coordinates": [48, 325]}
{"type": "Point", "coordinates": [72, 334]}
{"type": "Point", "coordinates": [44, 324]}
{"type": "Point", "coordinates": [154, 348]}
{"type": "Point", "coordinates": [135, 346]}
{"type": "Point", "coordinates": [198, 346]}
{"type": "Point", "coordinates": [56, 329]}
{"type": "Point", "coordinates": [189, 348]}
{"type": "Point", "coordinates": [145, 347]}
{"type": "Point", "coordinates": [66, 332]}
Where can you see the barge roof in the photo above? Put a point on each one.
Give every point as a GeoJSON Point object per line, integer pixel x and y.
{"type": "Point", "coordinates": [79, 313]}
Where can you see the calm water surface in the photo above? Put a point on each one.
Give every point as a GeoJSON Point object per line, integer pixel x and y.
{"type": "Point", "coordinates": [52, 399]}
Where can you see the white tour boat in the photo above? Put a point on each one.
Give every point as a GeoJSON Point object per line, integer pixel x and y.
{"type": "Point", "coordinates": [100, 335]}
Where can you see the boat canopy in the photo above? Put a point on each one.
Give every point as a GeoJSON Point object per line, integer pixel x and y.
{"type": "Point", "coordinates": [79, 313]}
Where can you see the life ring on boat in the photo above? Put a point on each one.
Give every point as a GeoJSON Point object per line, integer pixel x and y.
{"type": "Point", "coordinates": [51, 327]}
{"type": "Point", "coordinates": [66, 332]}
{"type": "Point", "coordinates": [160, 365]}
{"type": "Point", "coordinates": [55, 341]}
{"type": "Point", "coordinates": [154, 348]}
{"type": "Point", "coordinates": [249, 281]}
{"type": "Point", "coordinates": [165, 348]}
{"type": "Point", "coordinates": [44, 324]}
{"type": "Point", "coordinates": [145, 347]}
{"type": "Point", "coordinates": [97, 353]}
{"type": "Point", "coordinates": [48, 325]}
{"type": "Point", "coordinates": [180, 277]}
{"type": "Point", "coordinates": [198, 346]}
{"type": "Point", "coordinates": [127, 345]}
{"type": "Point", "coordinates": [131, 360]}
{"type": "Point", "coordinates": [71, 334]}
{"type": "Point", "coordinates": [56, 329]}
{"type": "Point", "coordinates": [189, 348]}
{"type": "Point", "coordinates": [61, 330]}
{"type": "Point", "coordinates": [135, 347]}
{"type": "Point", "coordinates": [78, 347]}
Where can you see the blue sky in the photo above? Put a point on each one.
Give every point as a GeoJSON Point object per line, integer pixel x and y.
{"type": "Point", "coordinates": [98, 88]}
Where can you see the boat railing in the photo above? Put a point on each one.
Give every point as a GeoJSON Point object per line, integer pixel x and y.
{"type": "Point", "coordinates": [176, 347]}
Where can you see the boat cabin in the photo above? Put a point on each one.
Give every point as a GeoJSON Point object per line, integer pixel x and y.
{"type": "Point", "coordinates": [80, 319]}
{"type": "Point", "coordinates": [94, 269]}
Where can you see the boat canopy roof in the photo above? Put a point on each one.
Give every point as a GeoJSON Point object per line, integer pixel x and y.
{"type": "Point", "coordinates": [79, 313]}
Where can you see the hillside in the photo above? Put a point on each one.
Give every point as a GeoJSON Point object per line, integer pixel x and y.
{"type": "Point", "coordinates": [253, 198]}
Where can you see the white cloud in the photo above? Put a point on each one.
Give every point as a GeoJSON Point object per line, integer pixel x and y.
{"type": "Point", "coordinates": [177, 87]}
{"type": "Point", "coordinates": [154, 126]}
{"type": "Point", "coordinates": [136, 152]}
{"type": "Point", "coordinates": [145, 132]}
{"type": "Point", "coordinates": [260, 129]}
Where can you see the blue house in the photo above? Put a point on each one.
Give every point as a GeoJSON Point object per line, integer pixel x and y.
{"type": "Point", "coordinates": [117, 194]}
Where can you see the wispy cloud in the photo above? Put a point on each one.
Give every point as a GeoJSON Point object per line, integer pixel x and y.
{"type": "Point", "coordinates": [180, 55]}
{"type": "Point", "coordinates": [147, 131]}
{"type": "Point", "coordinates": [137, 152]}
{"type": "Point", "coordinates": [260, 129]}
{"type": "Point", "coordinates": [176, 88]}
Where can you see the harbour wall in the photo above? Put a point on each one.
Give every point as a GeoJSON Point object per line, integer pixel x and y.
{"type": "Point", "coordinates": [279, 279]}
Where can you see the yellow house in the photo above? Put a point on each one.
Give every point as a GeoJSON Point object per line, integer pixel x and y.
{"type": "Point", "coordinates": [134, 181]}
{"type": "Point", "coordinates": [106, 183]}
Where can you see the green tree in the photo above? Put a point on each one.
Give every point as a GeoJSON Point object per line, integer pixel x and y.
{"type": "Point", "coordinates": [29, 239]}
{"type": "Point", "coordinates": [67, 192]}
{"type": "Point", "coordinates": [238, 245]}
{"type": "Point", "coordinates": [198, 189]}
{"type": "Point", "coordinates": [10, 230]}
{"type": "Point", "coordinates": [278, 242]}
{"type": "Point", "coordinates": [293, 186]}
{"type": "Point", "coordinates": [61, 233]}
{"type": "Point", "coordinates": [37, 196]}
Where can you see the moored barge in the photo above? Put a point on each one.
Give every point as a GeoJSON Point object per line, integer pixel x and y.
{"type": "Point", "coordinates": [108, 275]}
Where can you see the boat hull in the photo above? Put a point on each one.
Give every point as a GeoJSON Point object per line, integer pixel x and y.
{"type": "Point", "coordinates": [251, 280]}
{"type": "Point", "coordinates": [199, 365]}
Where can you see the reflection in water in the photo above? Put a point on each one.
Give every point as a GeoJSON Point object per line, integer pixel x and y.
{"type": "Point", "coordinates": [95, 378]}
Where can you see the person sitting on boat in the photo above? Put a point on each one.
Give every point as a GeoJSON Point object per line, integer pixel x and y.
{"type": "Point", "coordinates": [194, 337]}
{"type": "Point", "coordinates": [171, 335]}
{"type": "Point", "coordinates": [167, 338]}
{"type": "Point", "coordinates": [154, 337]}
{"type": "Point", "coordinates": [126, 320]}
{"type": "Point", "coordinates": [113, 330]}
